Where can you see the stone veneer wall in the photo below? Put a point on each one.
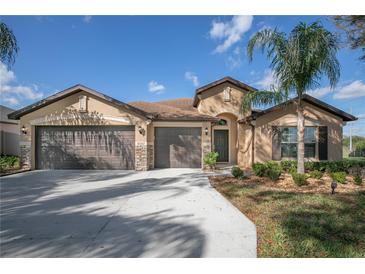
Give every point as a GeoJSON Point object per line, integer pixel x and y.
{"type": "Point", "coordinates": [206, 141]}
{"type": "Point", "coordinates": [25, 155]}
{"type": "Point", "coordinates": [150, 156]}
{"type": "Point", "coordinates": [141, 157]}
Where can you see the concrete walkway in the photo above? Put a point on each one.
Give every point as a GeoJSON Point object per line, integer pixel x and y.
{"type": "Point", "coordinates": [158, 213]}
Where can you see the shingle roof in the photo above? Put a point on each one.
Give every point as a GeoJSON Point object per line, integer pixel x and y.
{"type": "Point", "coordinates": [173, 110]}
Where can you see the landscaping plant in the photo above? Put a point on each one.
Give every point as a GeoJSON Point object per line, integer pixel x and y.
{"type": "Point", "coordinates": [316, 174]}
{"type": "Point", "coordinates": [288, 165]}
{"type": "Point", "coordinates": [210, 159]}
{"type": "Point", "coordinates": [339, 177]}
{"type": "Point", "coordinates": [259, 169]}
{"type": "Point", "coordinates": [273, 170]}
{"type": "Point", "coordinates": [358, 180]}
{"type": "Point", "coordinates": [237, 172]}
{"type": "Point", "coordinates": [269, 169]}
{"type": "Point", "coordinates": [299, 179]}
{"type": "Point", "coordinates": [9, 162]}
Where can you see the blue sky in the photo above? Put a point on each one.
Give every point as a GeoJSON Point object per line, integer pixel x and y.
{"type": "Point", "coordinates": [154, 57]}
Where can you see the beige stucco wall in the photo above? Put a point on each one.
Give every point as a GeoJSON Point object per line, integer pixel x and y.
{"type": "Point", "coordinates": [287, 117]}
{"type": "Point", "coordinates": [212, 101]}
{"type": "Point", "coordinates": [66, 112]}
{"type": "Point", "coordinates": [245, 145]}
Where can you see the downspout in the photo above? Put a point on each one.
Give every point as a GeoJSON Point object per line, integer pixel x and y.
{"type": "Point", "coordinates": [252, 124]}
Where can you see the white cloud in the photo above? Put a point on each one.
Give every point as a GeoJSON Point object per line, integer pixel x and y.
{"type": "Point", "coordinates": [268, 80]}
{"type": "Point", "coordinates": [230, 32]}
{"type": "Point", "coordinates": [11, 100]}
{"type": "Point", "coordinates": [191, 76]}
{"type": "Point", "coordinates": [320, 92]}
{"type": "Point", "coordinates": [13, 93]}
{"type": "Point", "coordinates": [6, 75]}
{"type": "Point", "coordinates": [87, 19]}
{"type": "Point", "coordinates": [234, 60]}
{"type": "Point", "coordinates": [155, 87]}
{"type": "Point", "coordinates": [353, 90]}
{"type": "Point", "coordinates": [360, 116]}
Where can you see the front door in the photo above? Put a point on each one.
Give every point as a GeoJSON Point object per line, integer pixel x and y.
{"type": "Point", "coordinates": [221, 144]}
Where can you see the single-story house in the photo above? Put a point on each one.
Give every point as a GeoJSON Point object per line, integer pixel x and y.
{"type": "Point", "coordinates": [9, 133]}
{"type": "Point", "coordinates": [80, 128]}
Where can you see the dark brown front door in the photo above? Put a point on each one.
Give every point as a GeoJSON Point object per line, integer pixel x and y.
{"type": "Point", "coordinates": [221, 144]}
{"type": "Point", "coordinates": [85, 147]}
{"type": "Point", "coordinates": [178, 147]}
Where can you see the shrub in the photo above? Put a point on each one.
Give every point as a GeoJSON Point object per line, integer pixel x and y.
{"type": "Point", "coordinates": [358, 180]}
{"type": "Point", "coordinates": [299, 179]}
{"type": "Point", "coordinates": [259, 169]}
{"type": "Point", "coordinates": [9, 162]}
{"type": "Point", "coordinates": [339, 177]}
{"type": "Point", "coordinates": [288, 165]}
{"type": "Point", "coordinates": [273, 170]}
{"type": "Point", "coordinates": [237, 172]}
{"type": "Point", "coordinates": [316, 174]}
{"type": "Point", "coordinates": [329, 166]}
{"type": "Point", "coordinates": [210, 159]}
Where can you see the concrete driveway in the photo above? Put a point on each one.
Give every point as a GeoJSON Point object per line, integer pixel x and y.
{"type": "Point", "coordinates": [158, 213]}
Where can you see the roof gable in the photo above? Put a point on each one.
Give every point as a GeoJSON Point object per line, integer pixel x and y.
{"type": "Point", "coordinates": [72, 90]}
{"type": "Point", "coordinates": [309, 99]}
{"type": "Point", "coordinates": [228, 79]}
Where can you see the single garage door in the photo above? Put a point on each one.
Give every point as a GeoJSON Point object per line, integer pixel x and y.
{"type": "Point", "coordinates": [177, 147]}
{"type": "Point", "coordinates": [85, 147]}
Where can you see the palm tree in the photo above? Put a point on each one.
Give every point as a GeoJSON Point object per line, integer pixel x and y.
{"type": "Point", "coordinates": [8, 45]}
{"type": "Point", "coordinates": [298, 61]}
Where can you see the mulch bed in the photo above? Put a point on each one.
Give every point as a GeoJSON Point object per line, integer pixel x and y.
{"type": "Point", "coordinates": [285, 183]}
{"type": "Point", "coordinates": [12, 171]}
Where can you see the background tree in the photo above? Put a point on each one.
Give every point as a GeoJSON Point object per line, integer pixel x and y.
{"type": "Point", "coordinates": [8, 45]}
{"type": "Point", "coordinates": [354, 27]}
{"type": "Point", "coordinates": [298, 61]}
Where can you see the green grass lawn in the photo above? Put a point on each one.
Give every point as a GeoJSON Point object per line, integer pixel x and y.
{"type": "Point", "coordinates": [291, 224]}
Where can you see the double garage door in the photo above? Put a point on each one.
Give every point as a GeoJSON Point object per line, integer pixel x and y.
{"type": "Point", "coordinates": [178, 147]}
{"type": "Point", "coordinates": [85, 147]}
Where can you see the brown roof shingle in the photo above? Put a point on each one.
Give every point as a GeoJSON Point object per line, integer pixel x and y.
{"type": "Point", "coordinates": [173, 110]}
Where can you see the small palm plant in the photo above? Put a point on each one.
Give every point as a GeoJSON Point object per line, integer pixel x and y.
{"type": "Point", "coordinates": [298, 61]}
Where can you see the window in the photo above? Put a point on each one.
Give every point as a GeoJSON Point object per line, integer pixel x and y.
{"type": "Point", "coordinates": [227, 94]}
{"type": "Point", "coordinates": [222, 122]}
{"type": "Point", "coordinates": [289, 142]}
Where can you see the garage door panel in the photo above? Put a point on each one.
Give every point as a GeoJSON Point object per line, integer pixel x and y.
{"type": "Point", "coordinates": [85, 147]}
{"type": "Point", "coordinates": [177, 147]}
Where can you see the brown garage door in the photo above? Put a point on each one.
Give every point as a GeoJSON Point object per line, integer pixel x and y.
{"type": "Point", "coordinates": [177, 147]}
{"type": "Point", "coordinates": [85, 147]}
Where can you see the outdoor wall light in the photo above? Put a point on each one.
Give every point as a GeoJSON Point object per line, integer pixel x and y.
{"type": "Point", "coordinates": [206, 131]}
{"type": "Point", "coordinates": [333, 186]}
{"type": "Point", "coordinates": [141, 130]}
{"type": "Point", "coordinates": [24, 130]}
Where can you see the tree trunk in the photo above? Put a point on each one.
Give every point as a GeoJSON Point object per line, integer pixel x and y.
{"type": "Point", "coordinates": [300, 138]}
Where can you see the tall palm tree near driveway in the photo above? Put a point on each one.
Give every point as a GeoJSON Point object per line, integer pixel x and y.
{"type": "Point", "coordinates": [8, 45]}
{"type": "Point", "coordinates": [298, 61]}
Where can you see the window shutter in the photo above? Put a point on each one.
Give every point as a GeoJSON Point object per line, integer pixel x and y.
{"type": "Point", "coordinates": [276, 140]}
{"type": "Point", "coordinates": [322, 143]}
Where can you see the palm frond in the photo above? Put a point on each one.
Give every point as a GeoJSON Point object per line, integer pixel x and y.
{"type": "Point", "coordinates": [262, 98]}
{"type": "Point", "coordinates": [8, 45]}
